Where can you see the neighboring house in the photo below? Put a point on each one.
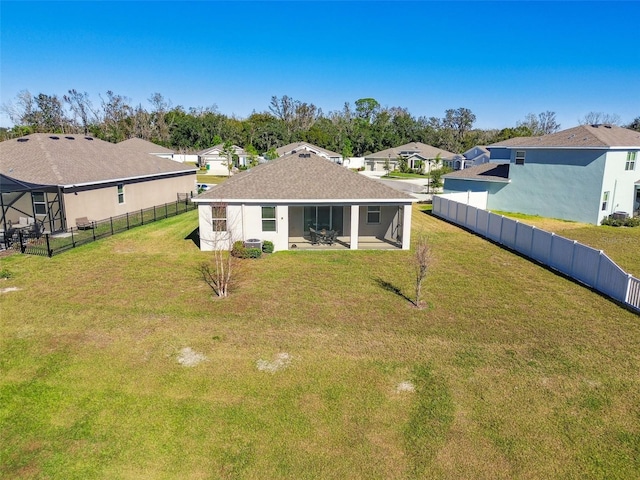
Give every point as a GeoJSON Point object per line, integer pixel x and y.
{"type": "Point", "coordinates": [476, 156]}
{"type": "Point", "coordinates": [354, 163]}
{"type": "Point", "coordinates": [584, 174]}
{"type": "Point", "coordinates": [54, 179]}
{"type": "Point", "coordinates": [299, 147]}
{"type": "Point", "coordinates": [216, 161]}
{"type": "Point", "coordinates": [282, 199]}
{"type": "Point", "coordinates": [471, 158]}
{"type": "Point", "coordinates": [143, 146]}
{"type": "Point", "coordinates": [418, 156]}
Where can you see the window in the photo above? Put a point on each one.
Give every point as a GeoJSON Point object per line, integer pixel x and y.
{"type": "Point", "coordinates": [631, 161]}
{"type": "Point", "coordinates": [373, 214]}
{"type": "Point", "coordinates": [219, 217]}
{"type": "Point", "coordinates": [120, 193]}
{"type": "Point", "coordinates": [520, 154]}
{"type": "Point", "coordinates": [39, 203]}
{"type": "Point", "coordinates": [605, 200]}
{"type": "Point", "coordinates": [268, 219]}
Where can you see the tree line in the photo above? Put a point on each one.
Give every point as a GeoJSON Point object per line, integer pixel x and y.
{"type": "Point", "coordinates": [355, 130]}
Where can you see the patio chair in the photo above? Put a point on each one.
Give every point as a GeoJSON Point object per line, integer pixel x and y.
{"type": "Point", "coordinates": [314, 236]}
{"type": "Point", "coordinates": [83, 223]}
{"type": "Point", "coordinates": [331, 236]}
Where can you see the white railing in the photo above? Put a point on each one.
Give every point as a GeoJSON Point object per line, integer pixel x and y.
{"type": "Point", "coordinates": [587, 265]}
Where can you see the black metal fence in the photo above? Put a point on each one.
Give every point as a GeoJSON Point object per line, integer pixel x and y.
{"type": "Point", "coordinates": [33, 243]}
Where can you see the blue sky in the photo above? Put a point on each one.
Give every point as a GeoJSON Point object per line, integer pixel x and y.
{"type": "Point", "coordinates": [502, 60]}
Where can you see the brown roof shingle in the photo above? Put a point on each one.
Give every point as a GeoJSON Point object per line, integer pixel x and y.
{"type": "Point", "coordinates": [293, 147]}
{"type": "Point", "coordinates": [303, 176]}
{"type": "Point", "coordinates": [582, 136]}
{"type": "Point", "coordinates": [60, 159]}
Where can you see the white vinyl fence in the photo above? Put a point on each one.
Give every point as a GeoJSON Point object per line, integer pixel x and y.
{"type": "Point", "coordinates": [585, 264]}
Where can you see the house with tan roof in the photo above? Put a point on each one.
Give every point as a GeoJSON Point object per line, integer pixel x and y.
{"type": "Point", "coordinates": [419, 156]}
{"type": "Point", "coordinates": [584, 174]}
{"type": "Point", "coordinates": [52, 180]}
{"type": "Point", "coordinates": [301, 147]}
{"type": "Point", "coordinates": [303, 201]}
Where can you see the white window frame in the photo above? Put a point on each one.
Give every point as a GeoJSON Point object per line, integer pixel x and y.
{"type": "Point", "coordinates": [120, 188]}
{"type": "Point", "coordinates": [605, 200]}
{"type": "Point", "coordinates": [219, 217]}
{"type": "Point", "coordinates": [631, 161]}
{"type": "Point", "coordinates": [372, 211]}
{"type": "Point", "coordinates": [37, 203]}
{"type": "Point", "coordinates": [269, 220]}
{"type": "Point", "coordinates": [520, 157]}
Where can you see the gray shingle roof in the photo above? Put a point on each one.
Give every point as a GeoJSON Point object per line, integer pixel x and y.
{"type": "Point", "coordinates": [143, 146]}
{"type": "Point", "coordinates": [287, 149]}
{"type": "Point", "coordinates": [61, 159]}
{"type": "Point", "coordinates": [582, 136]}
{"type": "Point", "coordinates": [422, 149]}
{"type": "Point", "coordinates": [297, 178]}
{"type": "Point", "coordinates": [487, 172]}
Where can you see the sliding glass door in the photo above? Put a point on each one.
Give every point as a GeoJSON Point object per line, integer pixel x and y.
{"type": "Point", "coordinates": [326, 217]}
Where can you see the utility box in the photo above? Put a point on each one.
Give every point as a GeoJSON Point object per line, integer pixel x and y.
{"type": "Point", "coordinates": [253, 243]}
{"type": "Point", "coordinates": [619, 215]}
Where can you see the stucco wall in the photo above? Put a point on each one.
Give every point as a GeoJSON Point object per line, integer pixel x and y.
{"type": "Point", "coordinates": [245, 222]}
{"type": "Point", "coordinates": [558, 183]}
{"type": "Point", "coordinates": [620, 182]}
{"type": "Point", "coordinates": [102, 203]}
{"type": "Point", "coordinates": [390, 217]}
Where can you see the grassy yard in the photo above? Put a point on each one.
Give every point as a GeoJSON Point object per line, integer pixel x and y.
{"type": "Point", "coordinates": [209, 179]}
{"type": "Point", "coordinates": [316, 366]}
{"type": "Point", "coordinates": [396, 174]}
{"type": "Point", "coordinates": [619, 243]}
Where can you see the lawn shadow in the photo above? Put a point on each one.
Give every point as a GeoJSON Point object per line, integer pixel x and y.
{"type": "Point", "coordinates": [194, 237]}
{"type": "Point", "coordinates": [392, 288]}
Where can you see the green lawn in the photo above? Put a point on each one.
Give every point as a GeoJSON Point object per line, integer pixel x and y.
{"type": "Point", "coordinates": [512, 371]}
{"type": "Point", "coordinates": [210, 179]}
{"type": "Point", "coordinates": [395, 174]}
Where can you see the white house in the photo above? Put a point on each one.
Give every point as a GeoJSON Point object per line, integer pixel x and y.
{"type": "Point", "coordinates": [418, 156]}
{"type": "Point", "coordinates": [285, 200]}
{"type": "Point", "coordinates": [216, 161]}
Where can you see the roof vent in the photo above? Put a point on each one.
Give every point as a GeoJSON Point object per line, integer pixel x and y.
{"type": "Point", "coordinates": [70, 138]}
{"type": "Point", "coordinates": [52, 137]}
{"type": "Point", "coordinates": [22, 140]}
{"type": "Point", "coordinates": [607, 125]}
{"type": "Point", "coordinates": [304, 155]}
{"type": "Point", "coordinates": [88, 138]}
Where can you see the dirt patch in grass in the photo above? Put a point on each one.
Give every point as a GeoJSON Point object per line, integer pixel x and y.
{"type": "Point", "coordinates": [190, 358]}
{"type": "Point", "coordinates": [281, 361]}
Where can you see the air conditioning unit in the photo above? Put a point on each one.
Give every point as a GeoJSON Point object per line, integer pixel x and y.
{"type": "Point", "coordinates": [253, 243]}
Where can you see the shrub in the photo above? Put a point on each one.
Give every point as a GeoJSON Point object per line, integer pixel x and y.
{"type": "Point", "coordinates": [267, 246]}
{"type": "Point", "coordinates": [621, 222]}
{"type": "Point", "coordinates": [240, 251]}
{"type": "Point", "coordinates": [253, 252]}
